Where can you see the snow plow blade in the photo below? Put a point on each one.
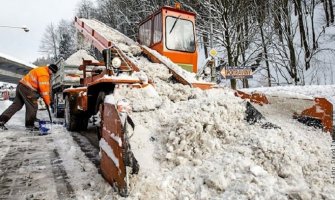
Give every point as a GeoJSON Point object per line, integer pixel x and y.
{"type": "Point", "coordinates": [115, 151]}
{"type": "Point", "coordinates": [175, 70]}
{"type": "Point", "coordinates": [317, 112]}
{"type": "Point", "coordinates": [322, 111]}
{"type": "Point", "coordinates": [258, 98]}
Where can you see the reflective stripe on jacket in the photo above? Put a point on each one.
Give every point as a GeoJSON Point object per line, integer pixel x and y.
{"type": "Point", "coordinates": [38, 79]}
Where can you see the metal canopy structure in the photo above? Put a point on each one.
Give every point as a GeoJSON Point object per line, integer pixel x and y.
{"type": "Point", "coordinates": [12, 70]}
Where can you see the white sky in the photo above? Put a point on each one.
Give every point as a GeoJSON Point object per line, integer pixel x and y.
{"type": "Point", "coordinates": [36, 15]}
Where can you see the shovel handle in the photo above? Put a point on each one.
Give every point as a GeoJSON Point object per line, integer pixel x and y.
{"type": "Point", "coordinates": [49, 113]}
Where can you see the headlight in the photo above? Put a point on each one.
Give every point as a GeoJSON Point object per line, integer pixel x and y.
{"type": "Point", "coordinates": [208, 70]}
{"type": "Point", "coordinates": [116, 62]}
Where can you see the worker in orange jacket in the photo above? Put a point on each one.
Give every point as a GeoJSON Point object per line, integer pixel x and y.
{"type": "Point", "coordinates": [33, 85]}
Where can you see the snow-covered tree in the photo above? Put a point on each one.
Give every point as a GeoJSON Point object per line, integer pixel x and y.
{"type": "Point", "coordinates": [86, 9]}
{"type": "Point", "coordinates": [66, 43]}
{"type": "Point", "coordinates": [43, 61]}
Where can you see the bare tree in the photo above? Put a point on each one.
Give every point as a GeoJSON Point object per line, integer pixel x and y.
{"type": "Point", "coordinates": [261, 13]}
{"type": "Point", "coordinates": [49, 43]}
{"type": "Point", "coordinates": [331, 10]}
{"type": "Point", "coordinates": [304, 43]}
{"type": "Point", "coordinates": [284, 51]}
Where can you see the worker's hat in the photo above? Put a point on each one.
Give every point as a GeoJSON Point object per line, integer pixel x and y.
{"type": "Point", "coordinates": [53, 68]}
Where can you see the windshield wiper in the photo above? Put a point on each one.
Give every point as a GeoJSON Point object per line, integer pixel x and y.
{"type": "Point", "coordinates": [174, 24]}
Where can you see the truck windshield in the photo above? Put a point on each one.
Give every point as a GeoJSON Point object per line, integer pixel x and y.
{"type": "Point", "coordinates": [179, 34]}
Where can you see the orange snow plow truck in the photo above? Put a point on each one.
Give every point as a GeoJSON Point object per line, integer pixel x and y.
{"type": "Point", "coordinates": [168, 33]}
{"type": "Point", "coordinates": [97, 95]}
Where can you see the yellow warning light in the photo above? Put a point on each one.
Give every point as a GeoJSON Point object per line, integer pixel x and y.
{"type": "Point", "coordinates": [177, 6]}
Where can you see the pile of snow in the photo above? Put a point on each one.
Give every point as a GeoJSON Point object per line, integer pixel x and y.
{"type": "Point", "coordinates": [77, 58]}
{"type": "Point", "coordinates": [108, 32]}
{"type": "Point", "coordinates": [118, 39]}
{"type": "Point", "coordinates": [190, 77]}
{"type": "Point", "coordinates": [198, 145]}
{"type": "Point", "coordinates": [71, 72]}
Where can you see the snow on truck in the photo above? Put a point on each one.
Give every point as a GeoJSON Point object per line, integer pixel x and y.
{"type": "Point", "coordinates": [101, 93]}
{"type": "Point", "coordinates": [67, 76]}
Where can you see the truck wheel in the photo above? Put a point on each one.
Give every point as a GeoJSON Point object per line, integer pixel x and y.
{"type": "Point", "coordinates": [99, 107]}
{"type": "Point", "coordinates": [84, 123]}
{"type": "Point", "coordinates": [71, 120]}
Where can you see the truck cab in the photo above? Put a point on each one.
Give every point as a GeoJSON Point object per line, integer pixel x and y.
{"type": "Point", "coordinates": [171, 32]}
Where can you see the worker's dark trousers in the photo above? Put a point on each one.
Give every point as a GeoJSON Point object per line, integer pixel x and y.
{"type": "Point", "coordinates": [24, 96]}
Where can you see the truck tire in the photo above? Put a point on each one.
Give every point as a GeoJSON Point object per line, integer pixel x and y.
{"type": "Point", "coordinates": [98, 108]}
{"type": "Point", "coordinates": [72, 122]}
{"type": "Point", "coordinates": [84, 122]}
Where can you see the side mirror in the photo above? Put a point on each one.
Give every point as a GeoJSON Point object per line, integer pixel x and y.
{"type": "Point", "coordinates": [106, 54]}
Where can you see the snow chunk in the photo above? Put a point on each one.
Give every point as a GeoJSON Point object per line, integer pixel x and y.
{"type": "Point", "coordinates": [257, 171]}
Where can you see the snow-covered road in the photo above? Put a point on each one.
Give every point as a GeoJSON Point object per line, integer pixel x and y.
{"type": "Point", "coordinates": [48, 167]}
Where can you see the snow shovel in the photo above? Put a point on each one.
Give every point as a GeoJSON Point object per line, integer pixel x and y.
{"type": "Point", "coordinates": [45, 126]}
{"type": "Point", "coordinates": [49, 113]}
{"type": "Point", "coordinates": [51, 121]}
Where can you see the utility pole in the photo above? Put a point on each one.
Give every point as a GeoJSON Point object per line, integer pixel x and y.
{"type": "Point", "coordinates": [212, 63]}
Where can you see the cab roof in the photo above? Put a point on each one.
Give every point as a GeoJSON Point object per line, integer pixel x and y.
{"type": "Point", "coordinates": [168, 8]}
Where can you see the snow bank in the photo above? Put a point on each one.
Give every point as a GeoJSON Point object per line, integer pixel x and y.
{"type": "Point", "coordinates": [205, 149]}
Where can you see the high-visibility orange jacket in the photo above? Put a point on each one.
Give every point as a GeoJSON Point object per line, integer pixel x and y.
{"type": "Point", "coordinates": [38, 79]}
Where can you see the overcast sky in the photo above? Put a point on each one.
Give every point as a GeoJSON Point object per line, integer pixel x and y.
{"type": "Point", "coordinates": [36, 15]}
